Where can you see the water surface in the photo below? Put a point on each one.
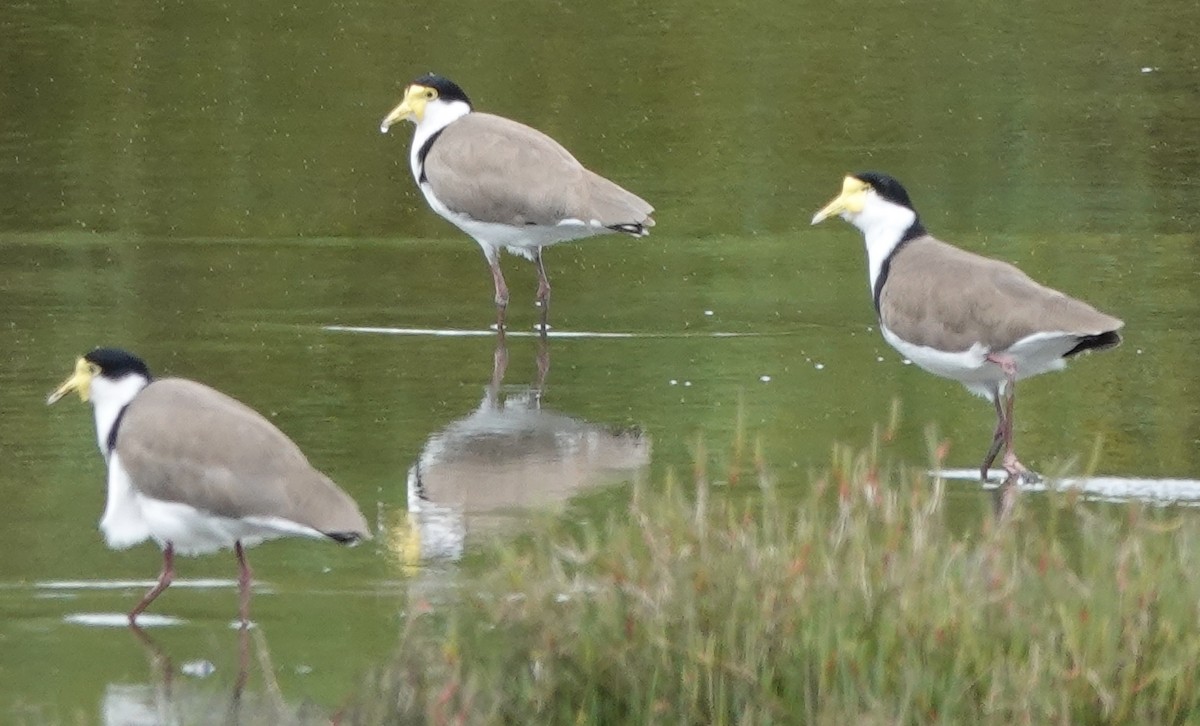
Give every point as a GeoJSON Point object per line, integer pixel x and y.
{"type": "Point", "coordinates": [205, 185]}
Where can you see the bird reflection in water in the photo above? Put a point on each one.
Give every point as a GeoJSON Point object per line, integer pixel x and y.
{"type": "Point", "coordinates": [184, 694]}
{"type": "Point", "coordinates": [509, 455]}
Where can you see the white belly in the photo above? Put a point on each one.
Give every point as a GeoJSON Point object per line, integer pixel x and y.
{"type": "Point", "coordinates": [1034, 355]}
{"type": "Point", "coordinates": [525, 237]}
{"type": "Point", "coordinates": [131, 517]}
{"type": "Point", "coordinates": [122, 524]}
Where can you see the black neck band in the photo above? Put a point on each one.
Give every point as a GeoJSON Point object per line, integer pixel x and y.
{"type": "Point", "coordinates": [424, 152]}
{"type": "Point", "coordinates": [111, 442]}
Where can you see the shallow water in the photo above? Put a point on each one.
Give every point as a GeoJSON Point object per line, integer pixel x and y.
{"type": "Point", "coordinates": [205, 185]}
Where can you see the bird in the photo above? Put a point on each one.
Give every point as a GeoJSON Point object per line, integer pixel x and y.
{"type": "Point", "coordinates": [198, 471]}
{"type": "Point", "coordinates": [959, 315]}
{"type": "Point", "coordinates": [507, 185]}
{"type": "Point", "coordinates": [510, 454]}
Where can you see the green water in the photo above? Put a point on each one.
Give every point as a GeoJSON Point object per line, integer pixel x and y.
{"type": "Point", "coordinates": [205, 184]}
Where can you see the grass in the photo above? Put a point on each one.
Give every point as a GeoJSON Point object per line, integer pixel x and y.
{"type": "Point", "coordinates": [861, 603]}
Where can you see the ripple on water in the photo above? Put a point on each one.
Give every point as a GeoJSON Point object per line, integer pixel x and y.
{"type": "Point", "coordinates": [121, 620]}
{"type": "Point", "coordinates": [464, 333]}
{"type": "Point", "coordinates": [199, 584]}
{"type": "Point", "coordinates": [1184, 492]}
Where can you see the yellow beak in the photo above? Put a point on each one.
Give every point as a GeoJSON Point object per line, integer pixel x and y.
{"type": "Point", "coordinates": [399, 113]}
{"type": "Point", "coordinates": [411, 108]}
{"type": "Point", "coordinates": [850, 200]}
{"type": "Point", "coordinates": [80, 382]}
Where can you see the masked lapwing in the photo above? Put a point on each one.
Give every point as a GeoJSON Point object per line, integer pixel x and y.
{"type": "Point", "coordinates": [979, 321]}
{"type": "Point", "coordinates": [505, 184]}
{"type": "Point", "coordinates": [511, 453]}
{"type": "Point", "coordinates": [198, 471]}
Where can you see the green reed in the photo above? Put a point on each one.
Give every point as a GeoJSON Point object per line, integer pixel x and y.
{"type": "Point", "coordinates": [859, 603]}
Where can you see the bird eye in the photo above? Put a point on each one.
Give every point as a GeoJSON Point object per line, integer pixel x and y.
{"type": "Point", "coordinates": [430, 93]}
{"type": "Point", "coordinates": [93, 369]}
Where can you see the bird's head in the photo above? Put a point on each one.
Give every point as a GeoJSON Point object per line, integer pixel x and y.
{"type": "Point", "coordinates": [870, 200]}
{"type": "Point", "coordinates": [104, 375]}
{"type": "Point", "coordinates": [430, 94]}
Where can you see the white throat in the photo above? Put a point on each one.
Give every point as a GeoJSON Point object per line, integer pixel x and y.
{"type": "Point", "coordinates": [438, 115]}
{"type": "Point", "coordinates": [108, 398]}
{"type": "Point", "coordinates": [883, 225]}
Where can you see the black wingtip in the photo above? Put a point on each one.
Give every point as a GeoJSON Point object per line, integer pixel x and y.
{"type": "Point", "coordinates": [1100, 341]}
{"type": "Point", "coordinates": [636, 229]}
{"type": "Point", "coordinates": [348, 538]}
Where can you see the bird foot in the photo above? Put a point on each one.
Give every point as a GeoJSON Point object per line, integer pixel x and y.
{"type": "Point", "coordinates": [1005, 497]}
{"type": "Point", "coordinates": [1018, 473]}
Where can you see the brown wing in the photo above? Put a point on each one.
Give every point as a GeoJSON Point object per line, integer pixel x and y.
{"type": "Point", "coordinates": [496, 170]}
{"type": "Point", "coordinates": [181, 441]}
{"type": "Point", "coordinates": [940, 296]}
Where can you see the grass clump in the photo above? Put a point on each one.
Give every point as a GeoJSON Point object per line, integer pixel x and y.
{"type": "Point", "coordinates": [857, 602]}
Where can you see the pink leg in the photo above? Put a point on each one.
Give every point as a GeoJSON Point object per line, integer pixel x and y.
{"type": "Point", "coordinates": [243, 673]}
{"type": "Point", "coordinates": [1004, 499]}
{"type": "Point", "coordinates": [997, 441]}
{"type": "Point", "coordinates": [493, 258]}
{"type": "Point", "coordinates": [164, 581]}
{"type": "Point", "coordinates": [245, 577]}
{"type": "Point", "coordinates": [543, 291]}
{"type": "Point", "coordinates": [1012, 465]}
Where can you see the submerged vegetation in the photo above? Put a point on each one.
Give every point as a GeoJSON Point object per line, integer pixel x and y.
{"type": "Point", "coordinates": [856, 603]}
